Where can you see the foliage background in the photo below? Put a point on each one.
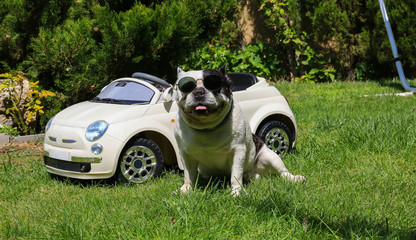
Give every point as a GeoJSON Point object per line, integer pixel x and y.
{"type": "Point", "coordinates": [75, 47]}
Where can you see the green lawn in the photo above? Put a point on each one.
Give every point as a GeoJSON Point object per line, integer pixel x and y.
{"type": "Point", "coordinates": [357, 153]}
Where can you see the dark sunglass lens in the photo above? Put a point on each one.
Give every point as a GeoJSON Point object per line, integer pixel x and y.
{"type": "Point", "coordinates": [213, 82]}
{"type": "Point", "coordinates": [187, 84]}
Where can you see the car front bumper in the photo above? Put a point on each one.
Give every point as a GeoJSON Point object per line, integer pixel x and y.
{"type": "Point", "coordinates": [67, 153]}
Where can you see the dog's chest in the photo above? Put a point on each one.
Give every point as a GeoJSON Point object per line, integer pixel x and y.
{"type": "Point", "coordinates": [217, 161]}
{"type": "Point", "coordinates": [215, 150]}
{"type": "Point", "coordinates": [210, 142]}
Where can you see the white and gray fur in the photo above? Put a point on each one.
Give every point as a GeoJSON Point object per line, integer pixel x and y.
{"type": "Point", "coordinates": [218, 141]}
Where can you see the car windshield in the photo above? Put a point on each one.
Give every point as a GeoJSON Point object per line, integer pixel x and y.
{"type": "Point", "coordinates": [125, 92]}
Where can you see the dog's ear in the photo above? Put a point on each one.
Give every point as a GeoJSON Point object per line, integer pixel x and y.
{"type": "Point", "coordinates": [169, 94]}
{"type": "Point", "coordinates": [223, 69]}
{"type": "Point", "coordinates": [179, 71]}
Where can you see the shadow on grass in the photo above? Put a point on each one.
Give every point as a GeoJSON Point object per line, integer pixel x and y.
{"type": "Point", "coordinates": [110, 182]}
{"type": "Point", "coordinates": [394, 85]}
{"type": "Point", "coordinates": [350, 227]}
{"type": "Point", "coordinates": [84, 183]}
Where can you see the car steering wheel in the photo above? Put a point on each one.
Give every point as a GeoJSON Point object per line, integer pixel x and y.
{"type": "Point", "coordinates": [151, 78]}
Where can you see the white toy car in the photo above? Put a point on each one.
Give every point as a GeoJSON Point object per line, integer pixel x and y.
{"type": "Point", "coordinates": [126, 131]}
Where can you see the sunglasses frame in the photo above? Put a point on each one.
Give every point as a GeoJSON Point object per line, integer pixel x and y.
{"type": "Point", "coordinates": [211, 82]}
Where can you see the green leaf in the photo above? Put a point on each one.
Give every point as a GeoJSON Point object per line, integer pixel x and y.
{"type": "Point", "coordinates": [298, 41]}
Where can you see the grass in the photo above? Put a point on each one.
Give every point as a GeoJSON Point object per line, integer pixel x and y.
{"type": "Point", "coordinates": [356, 152]}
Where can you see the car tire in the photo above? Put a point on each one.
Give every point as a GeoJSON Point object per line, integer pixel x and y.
{"type": "Point", "coordinates": [277, 137]}
{"type": "Point", "coordinates": [140, 162]}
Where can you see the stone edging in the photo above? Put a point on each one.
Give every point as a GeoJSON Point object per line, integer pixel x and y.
{"type": "Point", "coordinates": [6, 139]}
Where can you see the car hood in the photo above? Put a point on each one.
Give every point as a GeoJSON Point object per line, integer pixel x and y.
{"type": "Point", "coordinates": [85, 113]}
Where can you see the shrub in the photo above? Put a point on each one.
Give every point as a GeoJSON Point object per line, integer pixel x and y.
{"type": "Point", "coordinates": [259, 59]}
{"type": "Point", "coordinates": [20, 21]}
{"type": "Point", "coordinates": [298, 55]}
{"type": "Point", "coordinates": [62, 59]}
{"type": "Point", "coordinates": [82, 55]}
{"type": "Point", "coordinates": [25, 101]}
{"type": "Point", "coordinates": [11, 131]}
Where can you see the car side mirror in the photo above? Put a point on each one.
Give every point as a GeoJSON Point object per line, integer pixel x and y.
{"type": "Point", "coordinates": [169, 94]}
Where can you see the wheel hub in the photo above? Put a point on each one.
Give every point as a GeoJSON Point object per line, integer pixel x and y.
{"type": "Point", "coordinates": [138, 164]}
{"type": "Point", "coordinates": [277, 140]}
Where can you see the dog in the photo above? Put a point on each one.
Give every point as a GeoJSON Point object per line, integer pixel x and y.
{"type": "Point", "coordinates": [213, 135]}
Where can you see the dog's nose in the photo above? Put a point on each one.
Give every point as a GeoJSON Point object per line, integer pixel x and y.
{"type": "Point", "coordinates": [199, 93]}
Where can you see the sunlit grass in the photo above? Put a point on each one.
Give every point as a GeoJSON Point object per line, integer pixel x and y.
{"type": "Point", "coordinates": [356, 152]}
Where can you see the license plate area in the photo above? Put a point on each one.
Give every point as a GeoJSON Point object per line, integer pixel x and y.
{"type": "Point", "coordinates": [61, 155]}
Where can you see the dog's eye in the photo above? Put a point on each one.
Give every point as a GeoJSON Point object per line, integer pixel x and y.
{"type": "Point", "coordinates": [213, 82]}
{"type": "Point", "coordinates": [187, 84]}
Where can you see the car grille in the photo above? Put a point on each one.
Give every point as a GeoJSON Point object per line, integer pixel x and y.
{"type": "Point", "coordinates": [67, 166]}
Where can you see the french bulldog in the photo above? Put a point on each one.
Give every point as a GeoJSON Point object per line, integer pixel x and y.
{"type": "Point", "coordinates": [213, 135]}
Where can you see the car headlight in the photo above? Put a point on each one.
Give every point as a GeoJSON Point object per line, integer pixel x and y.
{"type": "Point", "coordinates": [48, 125]}
{"type": "Point", "coordinates": [96, 130]}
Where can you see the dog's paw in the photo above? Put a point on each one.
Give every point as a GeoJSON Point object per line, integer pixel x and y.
{"type": "Point", "coordinates": [184, 189]}
{"type": "Point", "coordinates": [237, 192]}
{"type": "Point", "coordinates": [299, 178]}
{"type": "Point", "coordinates": [293, 178]}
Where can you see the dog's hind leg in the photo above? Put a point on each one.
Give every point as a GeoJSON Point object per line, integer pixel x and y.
{"type": "Point", "coordinates": [270, 162]}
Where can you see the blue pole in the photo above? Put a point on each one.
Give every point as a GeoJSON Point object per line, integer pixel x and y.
{"type": "Point", "coordinates": [399, 67]}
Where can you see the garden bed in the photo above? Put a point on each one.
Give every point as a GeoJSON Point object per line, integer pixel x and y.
{"type": "Point", "coordinates": [5, 139]}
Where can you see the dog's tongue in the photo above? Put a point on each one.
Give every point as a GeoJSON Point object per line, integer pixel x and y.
{"type": "Point", "coordinates": [200, 107]}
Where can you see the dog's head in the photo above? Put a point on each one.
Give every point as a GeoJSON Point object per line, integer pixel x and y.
{"type": "Point", "coordinates": [204, 97]}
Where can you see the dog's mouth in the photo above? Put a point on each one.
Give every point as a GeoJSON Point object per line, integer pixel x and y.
{"type": "Point", "coordinates": [202, 110]}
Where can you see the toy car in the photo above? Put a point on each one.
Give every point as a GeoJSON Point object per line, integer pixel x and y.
{"type": "Point", "coordinates": [126, 132]}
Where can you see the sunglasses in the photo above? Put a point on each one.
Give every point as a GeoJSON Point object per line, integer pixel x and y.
{"type": "Point", "coordinates": [211, 82]}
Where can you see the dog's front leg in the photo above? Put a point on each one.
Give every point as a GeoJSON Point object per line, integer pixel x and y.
{"type": "Point", "coordinates": [236, 181]}
{"type": "Point", "coordinates": [190, 173]}
{"type": "Point", "coordinates": [237, 175]}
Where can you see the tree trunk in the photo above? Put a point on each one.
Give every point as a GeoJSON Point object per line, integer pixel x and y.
{"type": "Point", "coordinates": [291, 57]}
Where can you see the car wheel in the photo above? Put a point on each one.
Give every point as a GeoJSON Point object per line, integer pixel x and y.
{"type": "Point", "coordinates": [140, 162]}
{"type": "Point", "coordinates": [277, 136]}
